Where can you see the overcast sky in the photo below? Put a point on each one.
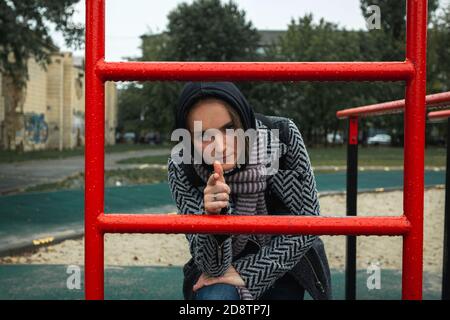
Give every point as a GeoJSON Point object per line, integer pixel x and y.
{"type": "Point", "coordinates": [126, 20]}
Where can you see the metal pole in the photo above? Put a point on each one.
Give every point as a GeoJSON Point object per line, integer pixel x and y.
{"type": "Point", "coordinates": [445, 262]}
{"type": "Point", "coordinates": [248, 71]}
{"type": "Point", "coordinates": [414, 122]}
{"type": "Point", "coordinates": [236, 224]}
{"type": "Point", "coordinates": [94, 150]}
{"type": "Point", "coordinates": [352, 193]}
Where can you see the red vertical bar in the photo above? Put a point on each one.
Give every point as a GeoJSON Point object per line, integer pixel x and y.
{"type": "Point", "coordinates": [414, 122]}
{"type": "Point", "coordinates": [94, 149]}
{"type": "Point", "coordinates": [353, 130]}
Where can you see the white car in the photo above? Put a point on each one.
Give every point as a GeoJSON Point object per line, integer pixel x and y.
{"type": "Point", "coordinates": [380, 138]}
{"type": "Point", "coordinates": [337, 139]}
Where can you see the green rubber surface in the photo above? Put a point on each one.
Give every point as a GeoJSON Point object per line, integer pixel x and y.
{"type": "Point", "coordinates": [25, 217]}
{"type": "Point", "coordinates": [45, 282]}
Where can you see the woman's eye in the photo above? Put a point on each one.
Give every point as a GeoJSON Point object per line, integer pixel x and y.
{"type": "Point", "coordinates": [228, 128]}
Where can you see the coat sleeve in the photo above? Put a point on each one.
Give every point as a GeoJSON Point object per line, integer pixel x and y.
{"type": "Point", "coordinates": [211, 253]}
{"type": "Point", "coordinates": [296, 186]}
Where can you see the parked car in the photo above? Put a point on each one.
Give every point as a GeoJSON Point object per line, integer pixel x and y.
{"type": "Point", "coordinates": [379, 139]}
{"type": "Point", "coordinates": [129, 137]}
{"type": "Point", "coordinates": [338, 139]}
{"type": "Point", "coordinates": [152, 137]}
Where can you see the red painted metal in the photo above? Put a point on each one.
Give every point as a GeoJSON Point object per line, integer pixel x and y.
{"type": "Point", "coordinates": [94, 150]}
{"type": "Point", "coordinates": [439, 115]}
{"type": "Point", "coordinates": [410, 226]}
{"type": "Point", "coordinates": [437, 100]}
{"type": "Point", "coordinates": [273, 71]}
{"type": "Point", "coordinates": [353, 131]}
{"type": "Point", "coordinates": [215, 224]}
{"type": "Point", "coordinates": [414, 149]}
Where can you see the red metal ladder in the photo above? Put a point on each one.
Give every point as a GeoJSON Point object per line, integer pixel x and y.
{"type": "Point", "coordinates": [409, 225]}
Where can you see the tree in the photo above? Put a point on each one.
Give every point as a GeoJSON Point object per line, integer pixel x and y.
{"type": "Point", "coordinates": [393, 15]}
{"type": "Point", "coordinates": [313, 104]}
{"type": "Point", "coordinates": [208, 30]}
{"type": "Point", "coordinates": [205, 30]}
{"type": "Point", "coordinates": [25, 28]}
{"type": "Point", "coordinates": [440, 40]}
{"type": "Point", "coordinates": [389, 44]}
{"type": "Point", "coordinates": [25, 32]}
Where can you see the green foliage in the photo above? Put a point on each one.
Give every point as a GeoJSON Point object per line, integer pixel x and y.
{"type": "Point", "coordinates": [205, 30]}
{"type": "Point", "coordinates": [393, 15]}
{"type": "Point", "coordinates": [25, 28]}
{"type": "Point", "coordinates": [208, 30]}
{"type": "Point", "coordinates": [439, 52]}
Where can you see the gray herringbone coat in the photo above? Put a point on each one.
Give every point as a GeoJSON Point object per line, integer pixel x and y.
{"type": "Point", "coordinates": [295, 186]}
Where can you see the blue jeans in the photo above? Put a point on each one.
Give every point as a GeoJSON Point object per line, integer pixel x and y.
{"type": "Point", "coordinates": [218, 291]}
{"type": "Point", "coordinates": [285, 288]}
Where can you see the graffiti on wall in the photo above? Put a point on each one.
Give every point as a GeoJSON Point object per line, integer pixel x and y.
{"type": "Point", "coordinates": [36, 128]}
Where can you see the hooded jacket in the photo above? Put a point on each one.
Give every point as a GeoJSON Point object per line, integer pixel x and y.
{"type": "Point", "coordinates": [294, 188]}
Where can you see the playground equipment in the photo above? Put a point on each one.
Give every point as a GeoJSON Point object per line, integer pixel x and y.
{"type": "Point", "coordinates": [352, 115]}
{"type": "Point", "coordinates": [409, 225]}
{"type": "Point", "coordinates": [436, 116]}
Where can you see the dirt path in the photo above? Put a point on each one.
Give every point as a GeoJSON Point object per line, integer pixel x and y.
{"type": "Point", "coordinates": [19, 175]}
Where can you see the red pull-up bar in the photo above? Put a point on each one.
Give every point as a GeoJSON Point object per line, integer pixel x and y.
{"type": "Point", "coordinates": [432, 101]}
{"type": "Point", "coordinates": [439, 115]}
{"type": "Point", "coordinates": [353, 114]}
{"type": "Point", "coordinates": [409, 225]}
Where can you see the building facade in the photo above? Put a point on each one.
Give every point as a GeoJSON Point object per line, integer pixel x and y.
{"type": "Point", "coordinates": [52, 113]}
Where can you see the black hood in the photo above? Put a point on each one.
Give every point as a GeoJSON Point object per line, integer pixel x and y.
{"type": "Point", "coordinates": [226, 91]}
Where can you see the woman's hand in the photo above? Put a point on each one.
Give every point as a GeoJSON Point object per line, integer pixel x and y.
{"type": "Point", "coordinates": [217, 192]}
{"type": "Point", "coordinates": [231, 276]}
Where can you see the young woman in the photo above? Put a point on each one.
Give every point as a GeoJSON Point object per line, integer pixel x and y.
{"type": "Point", "coordinates": [245, 267]}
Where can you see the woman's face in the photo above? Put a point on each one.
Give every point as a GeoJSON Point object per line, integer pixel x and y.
{"type": "Point", "coordinates": [214, 115]}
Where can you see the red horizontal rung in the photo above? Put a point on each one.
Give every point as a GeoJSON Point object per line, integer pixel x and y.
{"type": "Point", "coordinates": [273, 71]}
{"type": "Point", "coordinates": [432, 101]}
{"type": "Point", "coordinates": [437, 115]}
{"type": "Point", "coordinates": [219, 224]}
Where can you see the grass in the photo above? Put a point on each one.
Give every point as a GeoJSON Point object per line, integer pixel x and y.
{"type": "Point", "coordinates": [13, 156]}
{"type": "Point", "coordinates": [320, 156]}
{"type": "Point", "coordinates": [337, 156]}
{"type": "Point", "coordinates": [373, 156]}
{"type": "Point", "coordinates": [332, 156]}
{"type": "Point", "coordinates": [160, 159]}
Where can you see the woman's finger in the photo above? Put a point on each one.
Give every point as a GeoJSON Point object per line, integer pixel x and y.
{"type": "Point", "coordinates": [219, 171]}
{"type": "Point", "coordinates": [212, 179]}
{"type": "Point", "coordinates": [215, 206]}
{"type": "Point", "coordinates": [218, 188]}
{"type": "Point", "coordinates": [219, 196]}
{"type": "Point", "coordinates": [200, 282]}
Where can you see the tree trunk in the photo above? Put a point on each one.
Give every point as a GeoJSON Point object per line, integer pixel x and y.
{"type": "Point", "coordinates": [14, 97]}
